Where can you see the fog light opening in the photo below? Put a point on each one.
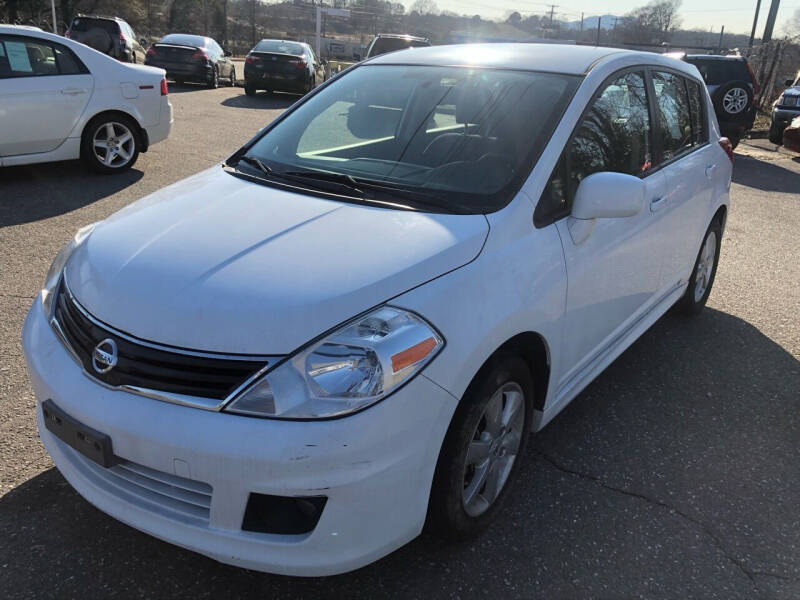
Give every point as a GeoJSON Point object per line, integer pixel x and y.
{"type": "Point", "coordinates": [282, 515]}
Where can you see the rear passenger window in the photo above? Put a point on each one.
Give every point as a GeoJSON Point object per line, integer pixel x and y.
{"type": "Point", "coordinates": [66, 61]}
{"type": "Point", "coordinates": [674, 118]}
{"type": "Point", "coordinates": [699, 135]}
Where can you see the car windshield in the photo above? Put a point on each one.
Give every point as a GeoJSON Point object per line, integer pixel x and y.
{"type": "Point", "coordinates": [197, 41]}
{"type": "Point", "coordinates": [387, 44]}
{"type": "Point", "coordinates": [279, 47]}
{"type": "Point", "coordinates": [450, 139]}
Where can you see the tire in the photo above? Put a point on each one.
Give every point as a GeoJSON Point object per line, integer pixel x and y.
{"type": "Point", "coordinates": [732, 100]}
{"type": "Point", "coordinates": [249, 89]}
{"type": "Point", "coordinates": [461, 504]}
{"type": "Point", "coordinates": [213, 83]}
{"type": "Point", "coordinates": [735, 139]}
{"type": "Point", "coordinates": [96, 156]}
{"type": "Point", "coordinates": [698, 290]}
{"type": "Point", "coordinates": [775, 134]}
{"type": "Point", "coordinates": [232, 78]}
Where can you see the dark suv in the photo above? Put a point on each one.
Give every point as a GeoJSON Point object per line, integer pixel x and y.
{"type": "Point", "coordinates": [109, 35]}
{"type": "Point", "coordinates": [733, 89]}
{"type": "Point", "coordinates": [785, 109]}
{"type": "Point", "coordinates": [389, 42]}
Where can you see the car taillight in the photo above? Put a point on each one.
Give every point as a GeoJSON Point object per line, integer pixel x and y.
{"type": "Point", "coordinates": [249, 59]}
{"type": "Point", "coordinates": [151, 52]}
{"type": "Point", "coordinates": [726, 145]}
{"type": "Point", "coordinates": [67, 34]}
{"type": "Point", "coordinates": [756, 87]}
{"type": "Point", "coordinates": [122, 39]}
{"type": "Point", "coordinates": [299, 64]}
{"type": "Point", "coordinates": [200, 55]}
{"type": "Point", "coordinates": [164, 90]}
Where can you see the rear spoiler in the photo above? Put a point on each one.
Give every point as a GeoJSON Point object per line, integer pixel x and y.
{"type": "Point", "coordinates": [168, 45]}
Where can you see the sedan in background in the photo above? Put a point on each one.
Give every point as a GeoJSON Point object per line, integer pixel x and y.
{"type": "Point", "coordinates": [391, 42]}
{"type": "Point", "coordinates": [61, 100]}
{"type": "Point", "coordinates": [192, 58]}
{"type": "Point", "coordinates": [281, 66]}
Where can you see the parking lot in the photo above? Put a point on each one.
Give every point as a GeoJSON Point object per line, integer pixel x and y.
{"type": "Point", "coordinates": [675, 474]}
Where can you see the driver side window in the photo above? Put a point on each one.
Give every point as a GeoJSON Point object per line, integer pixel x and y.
{"type": "Point", "coordinates": [613, 136]}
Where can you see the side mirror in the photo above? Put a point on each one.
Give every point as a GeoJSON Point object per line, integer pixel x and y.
{"type": "Point", "coordinates": [227, 53]}
{"type": "Point", "coordinates": [788, 83]}
{"type": "Point", "coordinates": [144, 43]}
{"type": "Point", "coordinates": [608, 195]}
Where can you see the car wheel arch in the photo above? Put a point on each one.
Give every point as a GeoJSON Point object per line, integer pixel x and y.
{"type": "Point", "coordinates": [115, 112]}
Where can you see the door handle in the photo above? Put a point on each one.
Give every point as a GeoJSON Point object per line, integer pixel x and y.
{"type": "Point", "coordinates": [72, 91]}
{"type": "Point", "coordinates": [710, 170]}
{"type": "Point", "coordinates": [657, 204]}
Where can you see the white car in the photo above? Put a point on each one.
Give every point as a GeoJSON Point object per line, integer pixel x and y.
{"type": "Point", "coordinates": [61, 100]}
{"type": "Point", "coordinates": [290, 361]}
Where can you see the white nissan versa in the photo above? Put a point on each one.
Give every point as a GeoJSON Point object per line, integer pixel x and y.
{"type": "Point", "coordinates": [293, 361]}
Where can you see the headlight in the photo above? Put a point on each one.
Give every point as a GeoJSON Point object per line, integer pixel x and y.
{"type": "Point", "coordinates": [355, 366]}
{"type": "Point", "coordinates": [54, 274]}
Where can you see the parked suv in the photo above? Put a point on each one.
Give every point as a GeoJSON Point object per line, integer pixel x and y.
{"type": "Point", "coordinates": [785, 109]}
{"type": "Point", "coordinates": [733, 89]}
{"type": "Point", "coordinates": [389, 42]}
{"type": "Point", "coordinates": [109, 35]}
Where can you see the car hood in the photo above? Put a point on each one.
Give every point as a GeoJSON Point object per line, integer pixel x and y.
{"type": "Point", "coordinates": [221, 264]}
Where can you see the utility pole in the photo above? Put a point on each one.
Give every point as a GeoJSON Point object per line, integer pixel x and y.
{"type": "Point", "coordinates": [614, 34]}
{"type": "Point", "coordinates": [598, 31]}
{"type": "Point", "coordinates": [581, 21]}
{"type": "Point", "coordinates": [553, 8]}
{"type": "Point", "coordinates": [773, 13]}
{"type": "Point", "coordinates": [722, 31]}
{"type": "Point", "coordinates": [755, 22]}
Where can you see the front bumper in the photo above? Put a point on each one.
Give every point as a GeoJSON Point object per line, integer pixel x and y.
{"type": "Point", "coordinates": [781, 117]}
{"type": "Point", "coordinates": [375, 467]}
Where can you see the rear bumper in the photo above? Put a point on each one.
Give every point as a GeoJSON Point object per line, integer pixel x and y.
{"type": "Point", "coordinates": [160, 131]}
{"type": "Point", "coordinates": [276, 81]}
{"type": "Point", "coordinates": [197, 72]}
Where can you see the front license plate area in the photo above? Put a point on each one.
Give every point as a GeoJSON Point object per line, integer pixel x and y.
{"type": "Point", "coordinates": [89, 442]}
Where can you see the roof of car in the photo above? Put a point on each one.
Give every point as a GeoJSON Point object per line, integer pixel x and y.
{"type": "Point", "coordinates": [402, 36]}
{"type": "Point", "coordinates": [713, 57]}
{"type": "Point", "coordinates": [555, 58]}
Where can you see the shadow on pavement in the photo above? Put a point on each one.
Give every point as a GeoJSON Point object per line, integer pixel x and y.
{"type": "Point", "coordinates": [765, 175]}
{"type": "Point", "coordinates": [262, 100]}
{"type": "Point", "coordinates": [35, 192]}
{"type": "Point", "coordinates": [697, 423]}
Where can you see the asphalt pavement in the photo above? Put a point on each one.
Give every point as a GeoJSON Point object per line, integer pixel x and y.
{"type": "Point", "coordinates": [676, 474]}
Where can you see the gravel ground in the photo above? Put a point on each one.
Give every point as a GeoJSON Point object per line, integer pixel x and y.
{"type": "Point", "coordinates": [674, 475]}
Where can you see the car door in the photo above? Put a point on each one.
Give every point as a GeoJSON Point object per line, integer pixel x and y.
{"type": "Point", "coordinates": [689, 164]}
{"type": "Point", "coordinates": [223, 63]}
{"type": "Point", "coordinates": [613, 265]}
{"type": "Point", "coordinates": [44, 89]}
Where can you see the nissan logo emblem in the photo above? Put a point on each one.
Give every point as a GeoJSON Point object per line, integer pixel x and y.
{"type": "Point", "coordinates": [104, 356]}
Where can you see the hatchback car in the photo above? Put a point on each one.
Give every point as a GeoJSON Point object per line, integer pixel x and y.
{"type": "Point", "coordinates": [734, 91]}
{"type": "Point", "coordinates": [109, 35]}
{"type": "Point", "coordinates": [192, 58]}
{"type": "Point", "coordinates": [62, 100]}
{"type": "Point", "coordinates": [292, 361]}
{"type": "Point", "coordinates": [785, 109]}
{"type": "Point", "coordinates": [391, 42]}
{"type": "Point", "coordinates": [282, 66]}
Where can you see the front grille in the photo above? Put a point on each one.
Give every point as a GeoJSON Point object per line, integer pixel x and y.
{"type": "Point", "coordinates": [177, 497]}
{"type": "Point", "coordinates": [142, 366]}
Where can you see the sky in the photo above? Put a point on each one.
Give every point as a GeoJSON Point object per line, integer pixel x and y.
{"type": "Point", "coordinates": [736, 15]}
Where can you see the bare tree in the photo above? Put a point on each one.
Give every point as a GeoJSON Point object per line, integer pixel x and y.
{"type": "Point", "coordinates": [653, 23]}
{"type": "Point", "coordinates": [425, 7]}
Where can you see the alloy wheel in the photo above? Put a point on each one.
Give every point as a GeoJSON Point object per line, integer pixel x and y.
{"type": "Point", "coordinates": [735, 100]}
{"type": "Point", "coordinates": [113, 144]}
{"type": "Point", "coordinates": [493, 448]}
{"type": "Point", "coordinates": [705, 266]}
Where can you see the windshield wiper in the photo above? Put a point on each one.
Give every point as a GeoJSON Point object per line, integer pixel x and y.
{"type": "Point", "coordinates": [339, 181]}
{"type": "Point", "coordinates": [252, 160]}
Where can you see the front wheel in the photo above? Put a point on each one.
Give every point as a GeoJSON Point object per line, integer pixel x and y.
{"type": "Point", "coordinates": [704, 272]}
{"type": "Point", "coordinates": [110, 144]}
{"type": "Point", "coordinates": [482, 450]}
{"type": "Point", "coordinates": [249, 89]}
